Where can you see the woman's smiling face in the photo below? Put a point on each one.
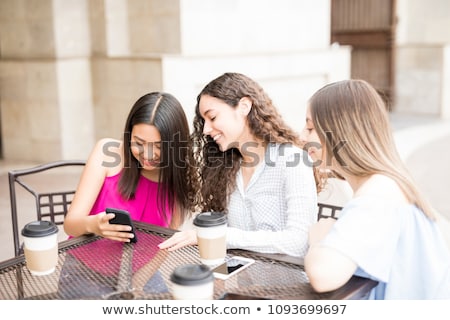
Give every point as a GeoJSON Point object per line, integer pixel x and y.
{"type": "Point", "coordinates": [226, 125]}
{"type": "Point", "coordinates": [146, 145]}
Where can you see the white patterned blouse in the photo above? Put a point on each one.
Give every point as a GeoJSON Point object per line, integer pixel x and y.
{"type": "Point", "coordinates": [274, 213]}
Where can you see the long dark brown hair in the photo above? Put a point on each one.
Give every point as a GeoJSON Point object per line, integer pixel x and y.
{"type": "Point", "coordinates": [216, 170]}
{"type": "Point", "coordinates": [165, 112]}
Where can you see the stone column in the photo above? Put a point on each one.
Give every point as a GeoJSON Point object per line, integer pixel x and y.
{"type": "Point", "coordinates": [46, 97]}
{"type": "Point", "coordinates": [422, 70]}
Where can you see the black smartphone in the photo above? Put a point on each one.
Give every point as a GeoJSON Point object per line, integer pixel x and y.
{"type": "Point", "coordinates": [231, 267]}
{"type": "Point", "coordinates": [122, 217]}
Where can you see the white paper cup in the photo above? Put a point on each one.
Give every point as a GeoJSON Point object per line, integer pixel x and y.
{"type": "Point", "coordinates": [192, 282]}
{"type": "Point", "coordinates": [211, 228]}
{"type": "Point", "coordinates": [40, 247]}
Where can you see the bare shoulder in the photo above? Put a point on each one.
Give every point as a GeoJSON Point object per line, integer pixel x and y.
{"type": "Point", "coordinates": [109, 143]}
{"type": "Point", "coordinates": [108, 153]}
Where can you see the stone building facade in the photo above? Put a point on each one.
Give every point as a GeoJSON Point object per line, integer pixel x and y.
{"type": "Point", "coordinates": [71, 69]}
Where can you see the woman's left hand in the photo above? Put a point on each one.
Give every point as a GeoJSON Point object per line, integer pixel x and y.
{"type": "Point", "coordinates": [179, 239]}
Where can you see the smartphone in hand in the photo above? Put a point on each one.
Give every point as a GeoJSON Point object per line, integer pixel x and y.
{"type": "Point", "coordinates": [231, 267]}
{"type": "Point", "coordinates": [122, 217]}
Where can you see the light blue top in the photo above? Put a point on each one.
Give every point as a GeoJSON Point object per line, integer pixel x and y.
{"type": "Point", "coordinates": [274, 212]}
{"type": "Point", "coordinates": [397, 246]}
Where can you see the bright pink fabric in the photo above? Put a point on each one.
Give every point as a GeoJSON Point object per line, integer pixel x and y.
{"type": "Point", "coordinates": [143, 207]}
{"type": "Point", "coordinates": [104, 256]}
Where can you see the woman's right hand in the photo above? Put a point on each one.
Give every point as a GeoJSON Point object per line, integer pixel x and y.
{"type": "Point", "coordinates": [179, 239]}
{"type": "Point", "coordinates": [100, 225]}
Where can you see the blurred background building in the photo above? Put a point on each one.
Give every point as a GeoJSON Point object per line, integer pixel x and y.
{"type": "Point", "coordinates": [70, 70]}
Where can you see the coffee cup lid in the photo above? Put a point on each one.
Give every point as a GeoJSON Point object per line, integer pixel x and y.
{"type": "Point", "coordinates": [210, 219]}
{"type": "Point", "coordinates": [192, 274]}
{"type": "Point", "coordinates": [37, 229]}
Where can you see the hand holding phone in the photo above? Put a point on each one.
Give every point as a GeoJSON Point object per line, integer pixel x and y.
{"type": "Point", "coordinates": [122, 217]}
{"type": "Point", "coordinates": [231, 267]}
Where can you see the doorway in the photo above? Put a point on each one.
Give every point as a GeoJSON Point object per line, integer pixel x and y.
{"type": "Point", "coordinates": [369, 27]}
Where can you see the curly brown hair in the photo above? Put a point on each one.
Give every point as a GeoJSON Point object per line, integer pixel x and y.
{"type": "Point", "coordinates": [216, 169]}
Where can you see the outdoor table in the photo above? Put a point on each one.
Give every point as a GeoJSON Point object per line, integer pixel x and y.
{"type": "Point", "coordinates": [92, 267]}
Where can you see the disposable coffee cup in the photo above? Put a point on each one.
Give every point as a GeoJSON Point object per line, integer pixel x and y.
{"type": "Point", "coordinates": [211, 228]}
{"type": "Point", "coordinates": [192, 282]}
{"type": "Point", "coordinates": [40, 247]}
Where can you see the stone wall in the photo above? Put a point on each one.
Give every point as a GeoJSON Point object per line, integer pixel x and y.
{"type": "Point", "coordinates": [45, 78]}
{"type": "Point", "coordinates": [422, 70]}
{"type": "Point", "coordinates": [70, 70]}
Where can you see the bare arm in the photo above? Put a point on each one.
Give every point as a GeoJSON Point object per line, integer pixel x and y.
{"type": "Point", "coordinates": [78, 221]}
{"type": "Point", "coordinates": [327, 269]}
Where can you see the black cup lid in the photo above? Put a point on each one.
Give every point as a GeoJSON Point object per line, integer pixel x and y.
{"type": "Point", "coordinates": [192, 274]}
{"type": "Point", "coordinates": [210, 219]}
{"type": "Point", "coordinates": [37, 229]}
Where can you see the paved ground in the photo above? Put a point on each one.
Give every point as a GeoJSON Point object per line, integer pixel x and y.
{"type": "Point", "coordinates": [423, 143]}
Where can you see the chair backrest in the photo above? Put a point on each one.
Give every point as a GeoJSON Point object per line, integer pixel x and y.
{"type": "Point", "coordinates": [328, 211]}
{"type": "Point", "coordinates": [50, 205]}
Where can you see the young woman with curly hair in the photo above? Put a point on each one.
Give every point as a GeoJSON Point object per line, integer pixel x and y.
{"type": "Point", "coordinates": [250, 166]}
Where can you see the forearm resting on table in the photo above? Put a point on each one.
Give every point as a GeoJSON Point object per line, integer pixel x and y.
{"type": "Point", "coordinates": [327, 269]}
{"type": "Point", "coordinates": [78, 226]}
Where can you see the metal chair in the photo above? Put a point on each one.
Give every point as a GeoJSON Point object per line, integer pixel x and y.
{"type": "Point", "coordinates": [50, 205]}
{"type": "Point", "coordinates": [328, 211]}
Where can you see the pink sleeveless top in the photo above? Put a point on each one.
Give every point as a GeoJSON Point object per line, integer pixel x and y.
{"type": "Point", "coordinates": [143, 207]}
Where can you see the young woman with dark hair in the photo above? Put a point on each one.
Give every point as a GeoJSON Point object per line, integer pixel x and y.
{"type": "Point", "coordinates": [146, 173]}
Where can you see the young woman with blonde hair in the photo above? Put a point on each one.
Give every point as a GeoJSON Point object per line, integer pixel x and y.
{"type": "Point", "coordinates": [387, 231]}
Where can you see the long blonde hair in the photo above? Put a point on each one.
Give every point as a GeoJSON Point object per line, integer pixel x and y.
{"type": "Point", "coordinates": [352, 123]}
